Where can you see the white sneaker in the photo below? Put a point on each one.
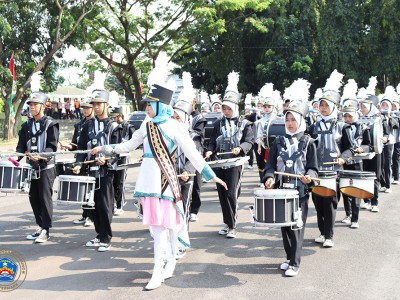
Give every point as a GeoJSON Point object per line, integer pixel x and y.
{"type": "Point", "coordinates": [354, 225]}
{"type": "Point", "coordinates": [93, 243]}
{"type": "Point", "coordinates": [118, 212]}
{"type": "Point", "coordinates": [347, 220]}
{"type": "Point", "coordinates": [388, 191]}
{"type": "Point", "coordinates": [249, 167]}
{"type": "Point", "coordinates": [328, 243]}
{"type": "Point", "coordinates": [103, 247]}
{"type": "Point", "coordinates": [382, 189]}
{"type": "Point", "coordinates": [88, 222]}
{"type": "Point", "coordinates": [34, 235]}
{"type": "Point", "coordinates": [320, 239]}
{"type": "Point", "coordinates": [181, 253]}
{"type": "Point", "coordinates": [395, 182]}
{"type": "Point", "coordinates": [366, 205]}
{"type": "Point", "coordinates": [374, 208]}
{"type": "Point", "coordinates": [193, 218]}
{"type": "Point", "coordinates": [284, 266]}
{"type": "Point", "coordinates": [232, 232]}
{"type": "Point", "coordinates": [292, 271]}
{"type": "Point", "coordinates": [224, 230]}
{"type": "Point", "coordinates": [43, 237]}
{"type": "Point", "coordinates": [81, 220]}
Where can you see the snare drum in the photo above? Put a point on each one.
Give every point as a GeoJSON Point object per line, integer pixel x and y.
{"type": "Point", "coordinates": [276, 208]}
{"type": "Point", "coordinates": [326, 187]}
{"type": "Point", "coordinates": [15, 179]}
{"type": "Point", "coordinates": [76, 189]}
{"type": "Point", "coordinates": [357, 184]}
{"type": "Point", "coordinates": [64, 166]}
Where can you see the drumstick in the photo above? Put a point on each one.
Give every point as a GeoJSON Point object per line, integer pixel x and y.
{"type": "Point", "coordinates": [189, 175]}
{"type": "Point", "coordinates": [331, 163]}
{"type": "Point", "coordinates": [294, 175]}
{"type": "Point", "coordinates": [92, 161]}
{"type": "Point", "coordinates": [222, 153]}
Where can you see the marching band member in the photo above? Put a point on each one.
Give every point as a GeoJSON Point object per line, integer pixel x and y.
{"type": "Point", "coordinates": [126, 131]}
{"type": "Point", "coordinates": [293, 153]}
{"type": "Point", "coordinates": [157, 184]}
{"type": "Point", "coordinates": [390, 124]}
{"type": "Point", "coordinates": [355, 140]}
{"type": "Point", "coordinates": [215, 103]}
{"type": "Point", "coordinates": [40, 134]}
{"type": "Point", "coordinates": [328, 133]}
{"type": "Point", "coordinates": [232, 135]}
{"type": "Point", "coordinates": [368, 106]}
{"type": "Point", "coordinates": [252, 117]}
{"type": "Point", "coordinates": [266, 94]}
{"type": "Point", "coordinates": [396, 134]}
{"type": "Point", "coordinates": [313, 113]}
{"type": "Point", "coordinates": [100, 130]}
{"type": "Point", "coordinates": [88, 114]}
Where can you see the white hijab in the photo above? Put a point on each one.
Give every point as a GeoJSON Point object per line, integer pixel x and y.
{"type": "Point", "coordinates": [300, 122]}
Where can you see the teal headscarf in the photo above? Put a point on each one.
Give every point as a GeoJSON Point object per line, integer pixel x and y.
{"type": "Point", "coordinates": [163, 111]}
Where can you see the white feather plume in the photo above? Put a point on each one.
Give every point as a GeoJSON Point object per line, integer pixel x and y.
{"type": "Point", "coordinates": [372, 85]}
{"type": "Point", "coordinates": [267, 90]}
{"type": "Point", "coordinates": [159, 74]}
{"type": "Point", "coordinates": [362, 94]}
{"type": "Point", "coordinates": [334, 82]}
{"type": "Point", "coordinates": [318, 94]}
{"type": "Point", "coordinates": [113, 99]}
{"type": "Point", "coordinates": [35, 81]}
{"type": "Point", "coordinates": [350, 90]}
{"type": "Point", "coordinates": [233, 80]}
{"type": "Point", "coordinates": [187, 93]}
{"type": "Point", "coordinates": [247, 100]}
{"type": "Point", "coordinates": [390, 93]}
{"type": "Point", "coordinates": [398, 89]}
{"type": "Point", "coordinates": [300, 90]}
{"type": "Point", "coordinates": [204, 99]}
{"type": "Point", "coordinates": [287, 95]}
{"type": "Point", "coordinates": [215, 98]}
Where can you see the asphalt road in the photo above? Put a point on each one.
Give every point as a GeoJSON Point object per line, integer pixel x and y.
{"type": "Point", "coordinates": [364, 263]}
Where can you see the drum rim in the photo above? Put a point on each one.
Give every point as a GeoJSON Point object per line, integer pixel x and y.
{"type": "Point", "coordinates": [76, 178]}
{"type": "Point", "coordinates": [10, 164]}
{"type": "Point", "coordinates": [356, 174]}
{"type": "Point", "coordinates": [280, 192]}
{"type": "Point", "coordinates": [65, 160]}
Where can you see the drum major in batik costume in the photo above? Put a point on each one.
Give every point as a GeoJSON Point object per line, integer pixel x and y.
{"type": "Point", "coordinates": [328, 132]}
{"type": "Point", "coordinates": [231, 132]}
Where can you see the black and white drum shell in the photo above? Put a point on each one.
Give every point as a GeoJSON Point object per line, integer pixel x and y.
{"type": "Point", "coordinates": [64, 166]}
{"type": "Point", "coordinates": [326, 187]}
{"type": "Point", "coordinates": [357, 184]}
{"type": "Point", "coordinates": [376, 129]}
{"type": "Point", "coordinates": [273, 128]}
{"type": "Point", "coordinates": [15, 179]}
{"type": "Point", "coordinates": [76, 189]}
{"type": "Point", "coordinates": [276, 208]}
{"type": "Point", "coordinates": [228, 162]}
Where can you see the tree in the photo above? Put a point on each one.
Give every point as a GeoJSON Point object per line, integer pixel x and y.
{"type": "Point", "coordinates": [45, 26]}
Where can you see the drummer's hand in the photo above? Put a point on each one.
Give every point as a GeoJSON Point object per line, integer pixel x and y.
{"type": "Point", "coordinates": [236, 150]}
{"type": "Point", "coordinates": [384, 139]}
{"type": "Point", "coordinates": [208, 154]}
{"type": "Point", "coordinates": [359, 150]}
{"type": "Point", "coordinates": [259, 149]}
{"type": "Point", "coordinates": [65, 147]}
{"type": "Point", "coordinates": [269, 184]}
{"type": "Point", "coordinates": [340, 161]}
{"type": "Point", "coordinates": [218, 180]}
{"type": "Point", "coordinates": [184, 176]}
{"type": "Point", "coordinates": [100, 160]}
{"type": "Point", "coordinates": [306, 179]}
{"type": "Point", "coordinates": [76, 169]}
{"type": "Point", "coordinates": [33, 157]}
{"type": "Point", "coordinates": [98, 149]}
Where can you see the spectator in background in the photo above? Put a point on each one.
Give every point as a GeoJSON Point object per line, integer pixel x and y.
{"type": "Point", "coordinates": [59, 108]}
{"type": "Point", "coordinates": [78, 112]}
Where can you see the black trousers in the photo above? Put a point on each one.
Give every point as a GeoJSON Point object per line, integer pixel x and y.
{"type": "Point", "coordinates": [40, 197]}
{"type": "Point", "coordinates": [374, 165]}
{"type": "Point", "coordinates": [260, 162]}
{"type": "Point", "coordinates": [351, 204]}
{"type": "Point", "coordinates": [387, 165]}
{"type": "Point", "coordinates": [326, 214]}
{"type": "Point", "coordinates": [228, 198]}
{"type": "Point", "coordinates": [196, 202]}
{"type": "Point", "coordinates": [251, 154]}
{"type": "Point", "coordinates": [104, 203]}
{"type": "Point", "coordinates": [396, 161]}
{"type": "Point", "coordinates": [293, 239]}
{"type": "Point", "coordinates": [118, 183]}
{"type": "Point", "coordinates": [186, 193]}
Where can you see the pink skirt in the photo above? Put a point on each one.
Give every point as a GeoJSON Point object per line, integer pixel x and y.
{"type": "Point", "coordinates": [160, 212]}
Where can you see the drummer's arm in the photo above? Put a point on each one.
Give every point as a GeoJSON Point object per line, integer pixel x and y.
{"type": "Point", "coordinates": [212, 145]}
{"type": "Point", "coordinates": [52, 139]}
{"type": "Point", "coordinates": [270, 165]}
{"type": "Point", "coordinates": [21, 146]}
{"type": "Point", "coordinates": [247, 140]}
{"type": "Point", "coordinates": [312, 162]}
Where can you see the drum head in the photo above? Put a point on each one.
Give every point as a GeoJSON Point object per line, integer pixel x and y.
{"type": "Point", "coordinates": [326, 174]}
{"type": "Point", "coordinates": [76, 178]}
{"type": "Point", "coordinates": [276, 193]}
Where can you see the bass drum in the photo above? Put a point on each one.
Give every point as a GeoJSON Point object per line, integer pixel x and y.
{"type": "Point", "coordinates": [273, 128]}
{"type": "Point", "coordinates": [209, 127]}
{"type": "Point", "coordinates": [376, 129]}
